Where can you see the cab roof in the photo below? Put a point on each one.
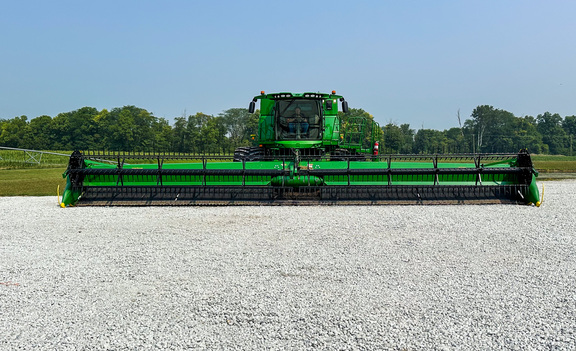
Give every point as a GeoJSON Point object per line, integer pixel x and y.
{"type": "Point", "coordinates": [288, 95]}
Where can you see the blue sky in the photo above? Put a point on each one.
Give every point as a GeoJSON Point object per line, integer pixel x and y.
{"type": "Point", "coordinates": [409, 61]}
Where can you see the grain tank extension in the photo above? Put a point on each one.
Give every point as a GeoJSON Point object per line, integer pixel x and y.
{"type": "Point", "coordinates": [306, 155]}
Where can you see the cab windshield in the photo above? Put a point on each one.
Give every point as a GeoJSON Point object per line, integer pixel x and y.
{"type": "Point", "coordinates": [298, 119]}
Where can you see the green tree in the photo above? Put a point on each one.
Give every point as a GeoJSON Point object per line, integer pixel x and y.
{"type": "Point", "coordinates": [83, 130]}
{"type": "Point", "coordinates": [408, 142]}
{"type": "Point", "coordinates": [128, 128]}
{"type": "Point", "coordinates": [569, 126]}
{"type": "Point", "coordinates": [213, 135]}
{"type": "Point", "coordinates": [482, 118]}
{"type": "Point", "coordinates": [429, 141]}
{"type": "Point", "coordinates": [39, 134]}
{"type": "Point", "coordinates": [526, 136]}
{"type": "Point", "coordinates": [162, 134]}
{"type": "Point", "coordinates": [252, 126]}
{"type": "Point", "coordinates": [492, 129]}
{"type": "Point", "coordinates": [13, 132]}
{"type": "Point", "coordinates": [502, 132]}
{"type": "Point", "coordinates": [143, 128]}
{"type": "Point", "coordinates": [455, 141]}
{"type": "Point", "coordinates": [194, 128]}
{"type": "Point", "coordinates": [76, 129]}
{"type": "Point", "coordinates": [353, 112]}
{"type": "Point", "coordinates": [239, 125]}
{"type": "Point", "coordinates": [393, 139]}
{"type": "Point", "coordinates": [553, 135]}
{"type": "Point", "coordinates": [180, 139]}
{"type": "Point", "coordinates": [118, 129]}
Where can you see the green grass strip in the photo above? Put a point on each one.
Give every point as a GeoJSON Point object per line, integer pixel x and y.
{"type": "Point", "coordinates": [31, 182]}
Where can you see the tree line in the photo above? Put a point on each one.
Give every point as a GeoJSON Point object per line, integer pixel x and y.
{"type": "Point", "coordinates": [130, 128]}
{"type": "Point", "coordinates": [488, 130]}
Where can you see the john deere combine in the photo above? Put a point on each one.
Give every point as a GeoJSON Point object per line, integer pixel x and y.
{"type": "Point", "coordinates": [306, 155]}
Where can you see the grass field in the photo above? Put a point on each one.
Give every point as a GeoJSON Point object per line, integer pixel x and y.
{"type": "Point", "coordinates": [31, 182]}
{"type": "Point", "coordinates": [11, 159]}
{"type": "Point", "coordinates": [554, 164]}
{"type": "Point", "coordinates": [21, 178]}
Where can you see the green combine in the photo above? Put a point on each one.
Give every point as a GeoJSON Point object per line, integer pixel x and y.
{"type": "Point", "coordinates": [306, 155]}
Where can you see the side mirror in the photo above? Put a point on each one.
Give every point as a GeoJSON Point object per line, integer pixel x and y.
{"type": "Point", "coordinates": [329, 104]}
{"type": "Point", "coordinates": [252, 107]}
{"type": "Point", "coordinates": [345, 106]}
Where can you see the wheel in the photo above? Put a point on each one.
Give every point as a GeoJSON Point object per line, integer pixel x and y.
{"type": "Point", "coordinates": [240, 154]}
{"type": "Point", "coordinates": [247, 153]}
{"type": "Point", "coordinates": [340, 155]}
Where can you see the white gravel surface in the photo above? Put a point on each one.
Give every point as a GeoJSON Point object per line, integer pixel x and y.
{"type": "Point", "coordinates": [472, 277]}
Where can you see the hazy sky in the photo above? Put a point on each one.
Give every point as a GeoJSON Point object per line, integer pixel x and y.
{"type": "Point", "coordinates": [404, 61]}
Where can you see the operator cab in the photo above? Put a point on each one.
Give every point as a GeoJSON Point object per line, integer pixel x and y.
{"type": "Point", "coordinates": [298, 119]}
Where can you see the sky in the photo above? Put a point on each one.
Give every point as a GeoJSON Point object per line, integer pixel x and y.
{"type": "Point", "coordinates": [419, 62]}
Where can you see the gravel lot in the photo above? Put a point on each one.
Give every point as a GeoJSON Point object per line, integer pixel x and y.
{"type": "Point", "coordinates": [480, 277]}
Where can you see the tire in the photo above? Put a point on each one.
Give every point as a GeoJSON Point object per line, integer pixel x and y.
{"type": "Point", "coordinates": [340, 155]}
{"type": "Point", "coordinates": [247, 153]}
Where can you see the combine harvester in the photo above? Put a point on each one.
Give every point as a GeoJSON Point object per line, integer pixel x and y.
{"type": "Point", "coordinates": [306, 155]}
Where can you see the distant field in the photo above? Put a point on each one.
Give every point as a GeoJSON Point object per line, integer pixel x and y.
{"type": "Point", "coordinates": [20, 178]}
{"type": "Point", "coordinates": [31, 182]}
{"type": "Point", "coordinates": [554, 164]}
{"type": "Point", "coordinates": [11, 159]}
